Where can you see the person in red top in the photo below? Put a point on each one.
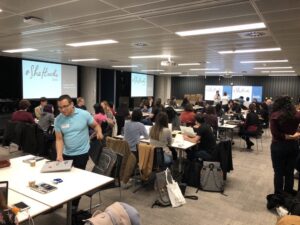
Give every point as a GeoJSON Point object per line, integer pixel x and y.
{"type": "Point", "coordinates": [284, 122]}
{"type": "Point", "coordinates": [22, 115]}
{"type": "Point", "coordinates": [188, 115]}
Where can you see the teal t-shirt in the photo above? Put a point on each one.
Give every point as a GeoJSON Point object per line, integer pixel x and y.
{"type": "Point", "coordinates": [75, 131]}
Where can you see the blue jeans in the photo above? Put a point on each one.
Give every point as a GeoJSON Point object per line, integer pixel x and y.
{"type": "Point", "coordinates": [168, 159]}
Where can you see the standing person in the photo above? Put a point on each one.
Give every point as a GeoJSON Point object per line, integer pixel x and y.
{"type": "Point", "coordinates": [39, 109]}
{"type": "Point", "coordinates": [284, 123]}
{"type": "Point", "coordinates": [80, 103]}
{"type": "Point", "coordinates": [217, 98]}
{"type": "Point", "coordinates": [22, 115]}
{"type": "Point", "coordinates": [247, 103]}
{"type": "Point", "coordinates": [225, 100]}
{"type": "Point", "coordinates": [161, 136]}
{"type": "Point", "coordinates": [72, 135]}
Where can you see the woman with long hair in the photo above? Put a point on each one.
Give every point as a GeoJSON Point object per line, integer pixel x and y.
{"type": "Point", "coordinates": [284, 122]}
{"type": "Point", "coordinates": [161, 136]}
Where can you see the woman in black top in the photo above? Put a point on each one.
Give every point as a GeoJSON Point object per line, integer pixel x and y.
{"type": "Point", "coordinates": [250, 127]}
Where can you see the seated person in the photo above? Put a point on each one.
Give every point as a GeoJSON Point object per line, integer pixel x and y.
{"type": "Point", "coordinates": [188, 115]}
{"type": "Point", "coordinates": [173, 118]}
{"type": "Point", "coordinates": [250, 127]}
{"type": "Point", "coordinates": [211, 118]}
{"type": "Point", "coordinates": [22, 115]}
{"type": "Point", "coordinates": [146, 107]}
{"type": "Point", "coordinates": [39, 109]}
{"type": "Point", "coordinates": [185, 102]}
{"type": "Point", "coordinates": [46, 118]}
{"type": "Point", "coordinates": [134, 129]}
{"type": "Point", "coordinates": [157, 108]}
{"type": "Point", "coordinates": [205, 139]}
{"type": "Point", "coordinates": [233, 107]}
{"type": "Point", "coordinates": [80, 103]}
{"type": "Point", "coordinates": [161, 136]}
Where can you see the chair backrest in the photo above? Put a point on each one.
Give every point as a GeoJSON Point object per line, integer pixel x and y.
{"type": "Point", "coordinates": [116, 171]}
{"type": "Point", "coordinates": [106, 162]}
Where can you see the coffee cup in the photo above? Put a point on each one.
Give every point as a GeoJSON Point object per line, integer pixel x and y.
{"type": "Point", "coordinates": [31, 183]}
{"type": "Point", "coordinates": [32, 162]}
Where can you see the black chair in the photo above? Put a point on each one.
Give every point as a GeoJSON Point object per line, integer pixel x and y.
{"type": "Point", "coordinates": [115, 173]}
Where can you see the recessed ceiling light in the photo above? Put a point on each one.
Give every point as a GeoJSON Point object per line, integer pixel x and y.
{"type": "Point", "coordinates": [204, 69]}
{"type": "Point", "coordinates": [124, 66]}
{"type": "Point", "coordinates": [152, 70]}
{"type": "Point", "coordinates": [278, 71]}
{"type": "Point", "coordinates": [265, 61]}
{"type": "Point", "coordinates": [189, 64]}
{"type": "Point", "coordinates": [20, 50]}
{"type": "Point", "coordinates": [88, 43]}
{"type": "Point", "coordinates": [171, 73]}
{"type": "Point", "coordinates": [226, 29]}
{"type": "Point", "coordinates": [273, 68]}
{"type": "Point", "coordinates": [250, 50]}
{"type": "Point", "coordinates": [1, 10]}
{"type": "Point", "coordinates": [84, 60]}
{"type": "Point", "coordinates": [149, 56]}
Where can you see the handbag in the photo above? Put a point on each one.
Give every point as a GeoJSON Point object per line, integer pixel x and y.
{"type": "Point", "coordinates": [174, 192]}
{"type": "Point", "coordinates": [4, 163]}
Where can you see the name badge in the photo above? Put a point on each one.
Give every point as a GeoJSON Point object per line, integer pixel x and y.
{"type": "Point", "coordinates": [64, 126]}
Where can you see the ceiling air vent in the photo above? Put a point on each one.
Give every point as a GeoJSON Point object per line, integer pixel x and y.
{"type": "Point", "coordinates": [254, 34]}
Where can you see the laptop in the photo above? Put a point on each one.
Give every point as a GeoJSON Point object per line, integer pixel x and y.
{"type": "Point", "coordinates": [4, 191]}
{"type": "Point", "coordinates": [189, 131]}
{"type": "Point", "coordinates": [57, 166]}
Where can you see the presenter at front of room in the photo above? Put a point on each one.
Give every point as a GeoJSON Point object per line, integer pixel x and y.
{"type": "Point", "coordinates": [71, 130]}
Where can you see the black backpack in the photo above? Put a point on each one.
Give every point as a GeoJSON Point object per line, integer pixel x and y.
{"type": "Point", "coordinates": [191, 175]}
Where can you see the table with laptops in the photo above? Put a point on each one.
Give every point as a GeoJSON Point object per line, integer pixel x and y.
{"type": "Point", "coordinates": [73, 183]}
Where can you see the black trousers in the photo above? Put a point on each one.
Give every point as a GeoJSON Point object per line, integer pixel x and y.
{"type": "Point", "coordinates": [79, 161]}
{"type": "Point", "coordinates": [284, 154]}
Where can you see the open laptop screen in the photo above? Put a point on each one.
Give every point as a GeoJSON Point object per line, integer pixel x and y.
{"type": "Point", "coordinates": [4, 191]}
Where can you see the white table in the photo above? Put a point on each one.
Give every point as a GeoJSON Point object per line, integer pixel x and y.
{"type": "Point", "coordinates": [75, 182]}
{"type": "Point", "coordinates": [228, 127]}
{"type": "Point", "coordinates": [36, 207]}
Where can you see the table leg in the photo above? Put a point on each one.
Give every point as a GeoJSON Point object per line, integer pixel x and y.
{"type": "Point", "coordinates": [180, 160]}
{"type": "Point", "coordinates": [69, 212]}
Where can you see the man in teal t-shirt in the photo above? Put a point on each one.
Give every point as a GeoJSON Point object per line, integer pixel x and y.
{"type": "Point", "coordinates": [72, 134]}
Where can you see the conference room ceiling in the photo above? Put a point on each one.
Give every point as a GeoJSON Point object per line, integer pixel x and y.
{"type": "Point", "coordinates": [147, 27]}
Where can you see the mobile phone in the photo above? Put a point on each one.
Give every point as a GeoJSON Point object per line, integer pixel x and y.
{"type": "Point", "coordinates": [22, 206]}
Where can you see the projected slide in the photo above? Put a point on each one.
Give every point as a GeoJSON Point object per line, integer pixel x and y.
{"type": "Point", "coordinates": [210, 91]}
{"type": "Point", "coordinates": [48, 79]}
{"type": "Point", "coordinates": [141, 85]}
{"type": "Point", "coordinates": [247, 91]}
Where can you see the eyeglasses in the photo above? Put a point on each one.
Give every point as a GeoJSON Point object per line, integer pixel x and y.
{"type": "Point", "coordinates": [63, 107]}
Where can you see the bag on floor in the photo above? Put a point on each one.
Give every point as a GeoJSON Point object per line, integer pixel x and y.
{"type": "Point", "coordinates": [160, 186]}
{"type": "Point", "coordinates": [191, 175]}
{"type": "Point", "coordinates": [175, 195]}
{"type": "Point", "coordinates": [211, 178]}
{"type": "Point", "coordinates": [292, 204]}
{"type": "Point", "coordinates": [79, 217]}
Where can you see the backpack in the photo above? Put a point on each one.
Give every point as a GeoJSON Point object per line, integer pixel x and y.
{"type": "Point", "coordinates": [161, 186]}
{"type": "Point", "coordinates": [106, 162]}
{"type": "Point", "coordinates": [211, 178]}
{"type": "Point", "coordinates": [292, 204]}
{"type": "Point", "coordinates": [191, 175]}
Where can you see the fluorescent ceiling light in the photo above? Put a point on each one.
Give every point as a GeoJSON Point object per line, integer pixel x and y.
{"type": "Point", "coordinates": [273, 68]}
{"type": "Point", "coordinates": [278, 75]}
{"type": "Point", "coordinates": [189, 64]}
{"type": "Point", "coordinates": [204, 69]}
{"type": "Point", "coordinates": [124, 66]}
{"type": "Point", "coordinates": [251, 26]}
{"type": "Point", "coordinates": [84, 60]}
{"type": "Point", "coordinates": [149, 56]}
{"type": "Point", "coordinates": [250, 50]}
{"type": "Point", "coordinates": [20, 50]}
{"type": "Point", "coordinates": [1, 10]}
{"type": "Point", "coordinates": [218, 72]}
{"type": "Point", "coordinates": [189, 75]}
{"type": "Point", "coordinates": [152, 70]}
{"type": "Point", "coordinates": [171, 73]}
{"type": "Point", "coordinates": [88, 43]}
{"type": "Point", "coordinates": [278, 71]}
{"type": "Point", "coordinates": [46, 29]}
{"type": "Point", "coordinates": [265, 61]}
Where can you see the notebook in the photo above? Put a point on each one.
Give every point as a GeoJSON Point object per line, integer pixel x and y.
{"type": "Point", "coordinates": [189, 131]}
{"type": "Point", "coordinates": [4, 191]}
{"type": "Point", "coordinates": [57, 166]}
